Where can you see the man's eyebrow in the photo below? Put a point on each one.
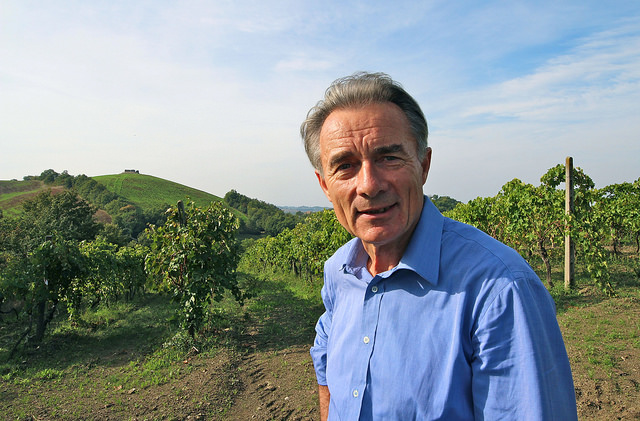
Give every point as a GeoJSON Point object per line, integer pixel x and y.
{"type": "Point", "coordinates": [383, 150]}
{"type": "Point", "coordinates": [339, 158]}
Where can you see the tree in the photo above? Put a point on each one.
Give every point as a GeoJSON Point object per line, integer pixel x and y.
{"type": "Point", "coordinates": [41, 281]}
{"type": "Point", "coordinates": [262, 217]}
{"type": "Point", "coordinates": [195, 255]}
{"type": "Point", "coordinates": [63, 214]}
{"type": "Point", "coordinates": [444, 203]}
{"type": "Point", "coordinates": [56, 263]}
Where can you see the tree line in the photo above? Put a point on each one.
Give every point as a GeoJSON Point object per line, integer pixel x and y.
{"type": "Point", "coordinates": [261, 218]}
{"type": "Point", "coordinates": [129, 220]}
{"type": "Point", "coordinates": [55, 258]}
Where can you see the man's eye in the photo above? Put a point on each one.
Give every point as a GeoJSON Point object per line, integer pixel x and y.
{"type": "Point", "coordinates": [344, 167]}
{"type": "Point", "coordinates": [390, 158]}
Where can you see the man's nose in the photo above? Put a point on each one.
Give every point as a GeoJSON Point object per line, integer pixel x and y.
{"type": "Point", "coordinates": [370, 180]}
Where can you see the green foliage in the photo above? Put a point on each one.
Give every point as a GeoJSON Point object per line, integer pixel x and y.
{"type": "Point", "coordinates": [301, 250]}
{"type": "Point", "coordinates": [195, 255]}
{"type": "Point", "coordinates": [54, 264]}
{"type": "Point", "coordinates": [261, 217]}
{"type": "Point", "coordinates": [69, 267]}
{"type": "Point", "coordinates": [111, 273]}
{"type": "Point", "coordinates": [444, 203]}
{"type": "Point", "coordinates": [618, 207]}
{"type": "Point", "coordinates": [532, 220]}
{"type": "Point", "coordinates": [64, 215]}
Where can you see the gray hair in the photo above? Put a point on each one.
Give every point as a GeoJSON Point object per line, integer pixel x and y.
{"type": "Point", "coordinates": [359, 90]}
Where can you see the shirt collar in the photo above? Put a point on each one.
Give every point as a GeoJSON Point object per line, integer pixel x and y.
{"type": "Point", "coordinates": [422, 254]}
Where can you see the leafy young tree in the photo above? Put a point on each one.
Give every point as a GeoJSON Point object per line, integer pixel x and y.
{"type": "Point", "coordinates": [55, 264]}
{"type": "Point", "coordinates": [48, 176]}
{"type": "Point", "coordinates": [64, 215]}
{"type": "Point", "coordinates": [195, 255]}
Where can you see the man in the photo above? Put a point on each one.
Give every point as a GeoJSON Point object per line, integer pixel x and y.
{"type": "Point", "coordinates": [426, 318]}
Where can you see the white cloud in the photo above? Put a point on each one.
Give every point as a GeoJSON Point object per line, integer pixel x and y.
{"type": "Point", "coordinates": [211, 94]}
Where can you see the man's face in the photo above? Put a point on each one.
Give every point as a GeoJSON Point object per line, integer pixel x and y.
{"type": "Point", "coordinates": [372, 174]}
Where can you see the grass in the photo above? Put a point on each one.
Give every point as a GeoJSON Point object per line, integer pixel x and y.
{"type": "Point", "coordinates": [150, 192]}
{"type": "Point", "coordinates": [126, 361]}
{"type": "Point", "coordinates": [13, 193]}
{"type": "Point", "coordinates": [16, 186]}
{"type": "Point", "coordinates": [145, 191]}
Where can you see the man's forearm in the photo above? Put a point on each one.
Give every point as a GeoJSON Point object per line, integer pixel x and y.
{"type": "Point", "coordinates": [324, 396]}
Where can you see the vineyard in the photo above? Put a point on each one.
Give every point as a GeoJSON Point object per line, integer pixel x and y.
{"type": "Point", "coordinates": [210, 296]}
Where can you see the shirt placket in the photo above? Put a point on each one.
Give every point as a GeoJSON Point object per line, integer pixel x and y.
{"type": "Point", "coordinates": [370, 313]}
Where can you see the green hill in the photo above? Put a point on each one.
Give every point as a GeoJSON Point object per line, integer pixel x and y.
{"type": "Point", "coordinates": [149, 192]}
{"type": "Point", "coordinates": [144, 191]}
{"type": "Point", "coordinates": [14, 192]}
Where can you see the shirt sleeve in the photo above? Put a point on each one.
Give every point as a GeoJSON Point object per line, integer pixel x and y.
{"type": "Point", "coordinates": [520, 365]}
{"type": "Point", "coordinates": [319, 349]}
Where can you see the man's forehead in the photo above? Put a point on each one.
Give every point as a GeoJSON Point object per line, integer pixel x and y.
{"type": "Point", "coordinates": [372, 116]}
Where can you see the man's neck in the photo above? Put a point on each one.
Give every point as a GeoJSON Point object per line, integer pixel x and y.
{"type": "Point", "coordinates": [381, 259]}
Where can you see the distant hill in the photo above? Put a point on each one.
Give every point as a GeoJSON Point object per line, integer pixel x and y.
{"type": "Point", "coordinates": [142, 191]}
{"type": "Point", "coordinates": [149, 192]}
{"type": "Point", "coordinates": [13, 193]}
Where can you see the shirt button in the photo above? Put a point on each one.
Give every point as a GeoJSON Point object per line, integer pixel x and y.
{"type": "Point", "coordinates": [374, 289]}
{"type": "Point", "coordinates": [366, 339]}
{"type": "Point", "coordinates": [355, 393]}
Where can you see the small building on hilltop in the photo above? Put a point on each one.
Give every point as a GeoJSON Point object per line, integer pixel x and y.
{"type": "Point", "coordinates": [131, 172]}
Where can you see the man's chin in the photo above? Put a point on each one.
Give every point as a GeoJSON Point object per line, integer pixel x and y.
{"type": "Point", "coordinates": [377, 236]}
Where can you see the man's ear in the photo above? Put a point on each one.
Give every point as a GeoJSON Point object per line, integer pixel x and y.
{"type": "Point", "coordinates": [323, 185]}
{"type": "Point", "coordinates": [426, 164]}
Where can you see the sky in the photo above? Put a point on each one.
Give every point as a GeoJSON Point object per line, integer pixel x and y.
{"type": "Point", "coordinates": [211, 94]}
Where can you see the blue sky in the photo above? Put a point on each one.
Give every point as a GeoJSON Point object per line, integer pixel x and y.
{"type": "Point", "coordinates": [211, 94]}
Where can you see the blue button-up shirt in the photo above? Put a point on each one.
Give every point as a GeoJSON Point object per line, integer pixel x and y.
{"type": "Point", "coordinates": [461, 329]}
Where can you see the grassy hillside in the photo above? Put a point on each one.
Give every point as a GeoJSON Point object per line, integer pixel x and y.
{"type": "Point", "coordinates": [14, 192]}
{"type": "Point", "coordinates": [144, 191]}
{"type": "Point", "coordinates": [150, 192]}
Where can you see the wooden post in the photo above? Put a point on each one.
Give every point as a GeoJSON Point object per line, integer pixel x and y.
{"type": "Point", "coordinates": [569, 245]}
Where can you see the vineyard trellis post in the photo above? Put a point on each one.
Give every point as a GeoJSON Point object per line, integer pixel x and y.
{"type": "Point", "coordinates": [569, 244]}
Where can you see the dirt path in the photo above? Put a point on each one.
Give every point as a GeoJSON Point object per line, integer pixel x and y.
{"type": "Point", "coordinates": [277, 385]}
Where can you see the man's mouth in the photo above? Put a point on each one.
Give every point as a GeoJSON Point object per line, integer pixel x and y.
{"type": "Point", "coordinates": [377, 211]}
